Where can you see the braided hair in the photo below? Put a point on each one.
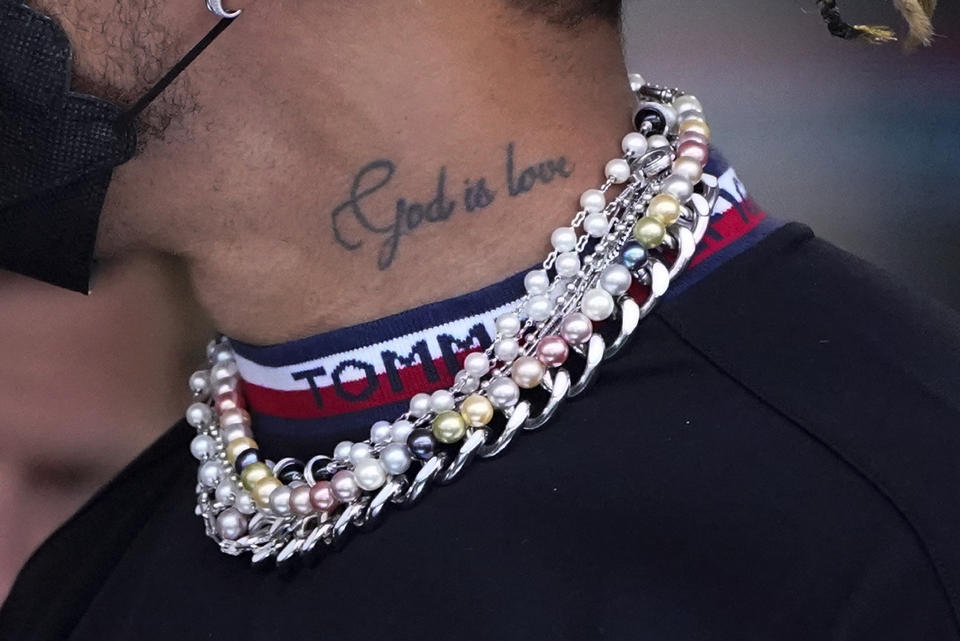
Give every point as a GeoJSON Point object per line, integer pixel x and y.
{"type": "Point", "coordinates": [916, 12]}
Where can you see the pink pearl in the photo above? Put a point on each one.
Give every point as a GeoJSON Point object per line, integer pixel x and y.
{"type": "Point", "coordinates": [300, 500]}
{"type": "Point", "coordinates": [694, 149]}
{"type": "Point", "coordinates": [694, 136]}
{"type": "Point", "coordinates": [323, 498]}
{"type": "Point", "coordinates": [234, 417]}
{"type": "Point", "coordinates": [227, 401]}
{"type": "Point", "coordinates": [576, 328]}
{"type": "Point", "coordinates": [224, 386]}
{"type": "Point", "coordinates": [552, 351]}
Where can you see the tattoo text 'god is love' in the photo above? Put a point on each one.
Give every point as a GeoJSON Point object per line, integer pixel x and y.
{"type": "Point", "coordinates": [356, 220]}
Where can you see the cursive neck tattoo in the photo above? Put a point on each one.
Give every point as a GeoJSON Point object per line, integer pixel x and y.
{"type": "Point", "coordinates": [354, 221]}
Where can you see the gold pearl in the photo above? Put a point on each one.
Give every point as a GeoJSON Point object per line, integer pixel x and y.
{"type": "Point", "coordinates": [239, 445]}
{"type": "Point", "coordinates": [262, 489]}
{"type": "Point", "coordinates": [649, 232]}
{"type": "Point", "coordinates": [664, 208]}
{"type": "Point", "coordinates": [449, 427]}
{"type": "Point", "coordinates": [696, 125]}
{"type": "Point", "coordinates": [476, 410]}
{"type": "Point", "coordinates": [253, 473]}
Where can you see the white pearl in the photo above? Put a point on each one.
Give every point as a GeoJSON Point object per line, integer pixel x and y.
{"type": "Point", "coordinates": [233, 431]}
{"type": "Point", "coordinates": [618, 170]}
{"type": "Point", "coordinates": [537, 281]}
{"type": "Point", "coordinates": [503, 393]}
{"type": "Point", "coordinates": [593, 200]}
{"type": "Point", "coordinates": [420, 405]}
{"type": "Point", "coordinates": [381, 432]}
{"type": "Point", "coordinates": [198, 414]}
{"type": "Point", "coordinates": [220, 353]}
{"type": "Point", "coordinates": [360, 452]}
{"type": "Point", "coordinates": [200, 382]}
{"type": "Point", "coordinates": [658, 141]}
{"type": "Point", "coordinates": [395, 458]}
{"type": "Point", "coordinates": [202, 447]}
{"type": "Point", "coordinates": [223, 370]}
{"type": "Point", "coordinates": [477, 364]}
{"type": "Point", "coordinates": [342, 451]}
{"type": "Point", "coordinates": [634, 144]}
{"type": "Point", "coordinates": [688, 168]}
{"type": "Point", "coordinates": [231, 524]}
{"type": "Point", "coordinates": [507, 349]}
{"type": "Point", "coordinates": [401, 431]}
{"type": "Point", "coordinates": [539, 307]}
{"type": "Point", "coordinates": [280, 500]}
{"type": "Point", "coordinates": [687, 103]}
{"type": "Point", "coordinates": [527, 372]}
{"type": "Point", "coordinates": [636, 81]}
{"type": "Point", "coordinates": [597, 304]}
{"type": "Point", "coordinates": [209, 474]}
{"type": "Point", "coordinates": [564, 239]}
{"type": "Point", "coordinates": [508, 324]}
{"type": "Point", "coordinates": [245, 503]}
{"type": "Point", "coordinates": [369, 474]}
{"type": "Point", "coordinates": [567, 264]}
{"type": "Point", "coordinates": [678, 186]}
{"type": "Point", "coordinates": [211, 347]}
{"type": "Point", "coordinates": [596, 224]}
{"type": "Point", "coordinates": [468, 382]}
{"type": "Point", "coordinates": [226, 492]}
{"type": "Point", "coordinates": [345, 485]}
{"type": "Point", "coordinates": [616, 279]}
{"type": "Point", "coordinates": [441, 401]}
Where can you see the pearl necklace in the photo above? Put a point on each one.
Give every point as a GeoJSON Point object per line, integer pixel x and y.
{"type": "Point", "coordinates": [647, 233]}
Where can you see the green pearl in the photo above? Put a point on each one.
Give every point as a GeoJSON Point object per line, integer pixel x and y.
{"type": "Point", "coordinates": [253, 473]}
{"type": "Point", "coordinates": [649, 232]}
{"type": "Point", "coordinates": [449, 427]}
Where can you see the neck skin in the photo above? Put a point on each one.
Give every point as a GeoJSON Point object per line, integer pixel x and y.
{"type": "Point", "coordinates": [328, 172]}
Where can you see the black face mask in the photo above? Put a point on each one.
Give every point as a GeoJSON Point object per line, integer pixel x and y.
{"type": "Point", "coordinates": [58, 149]}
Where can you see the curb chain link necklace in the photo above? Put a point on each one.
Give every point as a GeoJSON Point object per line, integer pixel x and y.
{"type": "Point", "coordinates": [641, 226]}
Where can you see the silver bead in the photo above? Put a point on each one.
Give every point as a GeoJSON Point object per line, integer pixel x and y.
{"type": "Point", "coordinates": [477, 364]}
{"type": "Point", "coordinates": [617, 170]}
{"type": "Point", "coordinates": [244, 502]}
{"type": "Point", "coordinates": [202, 447]}
{"type": "Point", "coordinates": [199, 414]}
{"type": "Point", "coordinates": [592, 200]}
{"type": "Point", "coordinates": [506, 350]}
{"type": "Point", "coordinates": [636, 81]}
{"type": "Point", "coordinates": [567, 264]}
{"type": "Point", "coordinates": [508, 324]}
{"type": "Point", "coordinates": [381, 432]}
{"type": "Point", "coordinates": [200, 383]}
{"type": "Point", "coordinates": [564, 239]}
{"type": "Point", "coordinates": [539, 307]}
{"type": "Point", "coordinates": [209, 474]}
{"type": "Point", "coordinates": [537, 281]}
{"type": "Point", "coordinates": [360, 452]}
{"type": "Point", "coordinates": [596, 224]}
{"type": "Point", "coordinates": [400, 431]}
{"type": "Point", "coordinates": [231, 524]}
{"type": "Point", "coordinates": [345, 486]}
{"type": "Point", "coordinates": [420, 405]}
{"type": "Point", "coordinates": [226, 492]}
{"type": "Point", "coordinates": [658, 142]}
{"type": "Point", "coordinates": [280, 500]}
{"type": "Point", "coordinates": [342, 451]}
{"type": "Point", "coordinates": [678, 186]}
{"type": "Point", "coordinates": [466, 381]}
{"type": "Point", "coordinates": [616, 279]}
{"type": "Point", "coordinates": [597, 304]}
{"type": "Point", "coordinates": [223, 370]}
{"type": "Point", "coordinates": [395, 458]}
{"type": "Point", "coordinates": [634, 144]}
{"type": "Point", "coordinates": [441, 401]}
{"type": "Point", "coordinates": [369, 474]}
{"type": "Point", "coordinates": [503, 393]}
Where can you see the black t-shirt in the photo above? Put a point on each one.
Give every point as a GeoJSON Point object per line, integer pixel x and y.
{"type": "Point", "coordinates": [776, 456]}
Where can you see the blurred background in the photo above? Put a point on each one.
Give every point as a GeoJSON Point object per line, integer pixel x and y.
{"type": "Point", "coordinates": [861, 142]}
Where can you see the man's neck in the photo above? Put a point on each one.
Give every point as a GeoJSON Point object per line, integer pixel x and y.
{"type": "Point", "coordinates": [346, 163]}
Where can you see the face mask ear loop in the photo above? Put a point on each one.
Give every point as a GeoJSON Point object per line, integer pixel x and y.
{"type": "Point", "coordinates": [175, 71]}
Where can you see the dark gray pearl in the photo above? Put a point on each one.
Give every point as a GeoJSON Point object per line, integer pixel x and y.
{"type": "Point", "coordinates": [649, 121]}
{"type": "Point", "coordinates": [247, 457]}
{"type": "Point", "coordinates": [422, 443]}
{"type": "Point", "coordinates": [633, 255]}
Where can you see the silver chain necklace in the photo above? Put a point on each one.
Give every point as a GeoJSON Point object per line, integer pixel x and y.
{"type": "Point", "coordinates": [647, 232]}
